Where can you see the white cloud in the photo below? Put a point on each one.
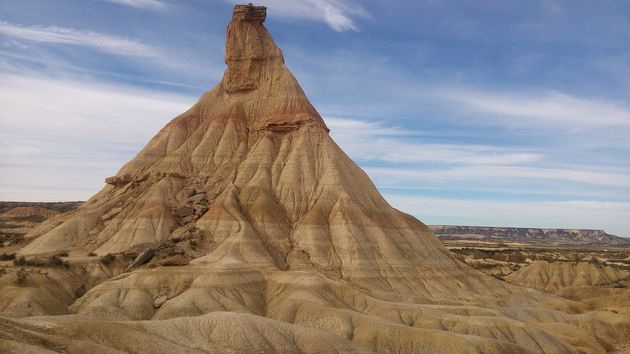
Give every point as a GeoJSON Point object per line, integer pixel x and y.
{"type": "Point", "coordinates": [335, 13]}
{"type": "Point", "coordinates": [85, 38]}
{"type": "Point", "coordinates": [370, 141]}
{"type": "Point", "coordinates": [613, 217]}
{"type": "Point", "coordinates": [59, 138]}
{"type": "Point", "coordinates": [489, 172]}
{"type": "Point", "coordinates": [142, 4]}
{"type": "Point", "coordinates": [541, 108]}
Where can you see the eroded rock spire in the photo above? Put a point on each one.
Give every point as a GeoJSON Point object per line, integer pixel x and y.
{"type": "Point", "coordinates": [248, 48]}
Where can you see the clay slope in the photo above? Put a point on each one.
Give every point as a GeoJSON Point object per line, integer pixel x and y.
{"type": "Point", "coordinates": [254, 231]}
{"type": "Point", "coordinates": [553, 277]}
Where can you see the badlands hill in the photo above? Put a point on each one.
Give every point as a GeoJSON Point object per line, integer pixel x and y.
{"type": "Point", "coordinates": [18, 218]}
{"type": "Point", "coordinates": [596, 286]}
{"type": "Point", "coordinates": [529, 235]}
{"type": "Point", "coordinates": [243, 228]}
{"type": "Point", "coordinates": [553, 277]}
{"type": "Point", "coordinates": [34, 208]}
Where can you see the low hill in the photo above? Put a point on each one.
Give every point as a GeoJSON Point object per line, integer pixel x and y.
{"type": "Point", "coordinates": [18, 218]}
{"type": "Point", "coordinates": [528, 235]}
{"type": "Point", "coordinates": [556, 276]}
{"type": "Point", "coordinates": [17, 209]}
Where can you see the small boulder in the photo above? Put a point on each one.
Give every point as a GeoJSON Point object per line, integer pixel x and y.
{"type": "Point", "coordinates": [184, 211]}
{"type": "Point", "coordinates": [180, 234]}
{"type": "Point", "coordinates": [176, 260]}
{"type": "Point", "coordinates": [141, 259]}
{"type": "Point", "coordinates": [118, 180]}
{"type": "Point", "coordinates": [197, 198]}
{"type": "Point", "coordinates": [200, 209]}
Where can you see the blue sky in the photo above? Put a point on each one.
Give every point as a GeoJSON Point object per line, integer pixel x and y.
{"type": "Point", "coordinates": [504, 113]}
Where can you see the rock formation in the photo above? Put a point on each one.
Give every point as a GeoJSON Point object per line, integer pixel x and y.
{"type": "Point", "coordinates": [266, 237]}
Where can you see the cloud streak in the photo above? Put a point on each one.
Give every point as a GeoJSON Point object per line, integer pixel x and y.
{"type": "Point", "coordinates": [340, 16]}
{"type": "Point", "coordinates": [610, 216]}
{"type": "Point", "coordinates": [489, 172]}
{"type": "Point", "coordinates": [371, 141]}
{"type": "Point", "coordinates": [84, 38]}
{"type": "Point", "coordinates": [542, 108]}
{"type": "Point", "coordinates": [60, 138]}
{"type": "Point", "coordinates": [141, 4]}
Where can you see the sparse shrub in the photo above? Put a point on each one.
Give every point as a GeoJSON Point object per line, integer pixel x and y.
{"type": "Point", "coordinates": [7, 256]}
{"type": "Point", "coordinates": [56, 261]}
{"type": "Point", "coordinates": [20, 261]}
{"type": "Point", "coordinates": [192, 244]}
{"type": "Point", "coordinates": [108, 259]}
{"type": "Point", "coordinates": [63, 254]}
{"type": "Point", "coordinates": [620, 286]}
{"type": "Point", "coordinates": [21, 276]}
{"type": "Point", "coordinates": [479, 254]}
{"type": "Point", "coordinates": [499, 257]}
{"type": "Point", "coordinates": [91, 254]}
{"type": "Point", "coordinates": [516, 257]}
{"type": "Point", "coordinates": [80, 291]}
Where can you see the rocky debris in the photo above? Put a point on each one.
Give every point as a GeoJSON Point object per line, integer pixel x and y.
{"type": "Point", "coordinates": [200, 209]}
{"type": "Point", "coordinates": [184, 211]}
{"type": "Point", "coordinates": [183, 233]}
{"type": "Point", "coordinates": [195, 206]}
{"type": "Point", "coordinates": [143, 258]}
{"type": "Point", "coordinates": [110, 214]}
{"type": "Point", "coordinates": [159, 301]}
{"type": "Point", "coordinates": [197, 198]}
{"type": "Point", "coordinates": [176, 260]}
{"type": "Point", "coordinates": [118, 180]}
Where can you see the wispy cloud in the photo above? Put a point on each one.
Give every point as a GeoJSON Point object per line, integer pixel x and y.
{"type": "Point", "coordinates": [541, 108]}
{"type": "Point", "coordinates": [60, 138]}
{"type": "Point", "coordinates": [610, 216]}
{"type": "Point", "coordinates": [494, 173]}
{"type": "Point", "coordinates": [141, 4]}
{"type": "Point", "coordinates": [371, 141]}
{"type": "Point", "coordinates": [339, 15]}
{"type": "Point", "coordinates": [85, 38]}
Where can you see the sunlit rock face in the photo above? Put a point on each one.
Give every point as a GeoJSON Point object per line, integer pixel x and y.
{"type": "Point", "coordinates": [243, 227]}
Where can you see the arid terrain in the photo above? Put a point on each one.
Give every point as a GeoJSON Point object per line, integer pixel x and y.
{"type": "Point", "coordinates": [242, 227]}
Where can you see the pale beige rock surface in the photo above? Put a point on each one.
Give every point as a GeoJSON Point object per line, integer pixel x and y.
{"type": "Point", "coordinates": [291, 247]}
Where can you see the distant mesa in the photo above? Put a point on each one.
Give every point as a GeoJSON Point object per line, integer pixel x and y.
{"type": "Point", "coordinates": [571, 237]}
